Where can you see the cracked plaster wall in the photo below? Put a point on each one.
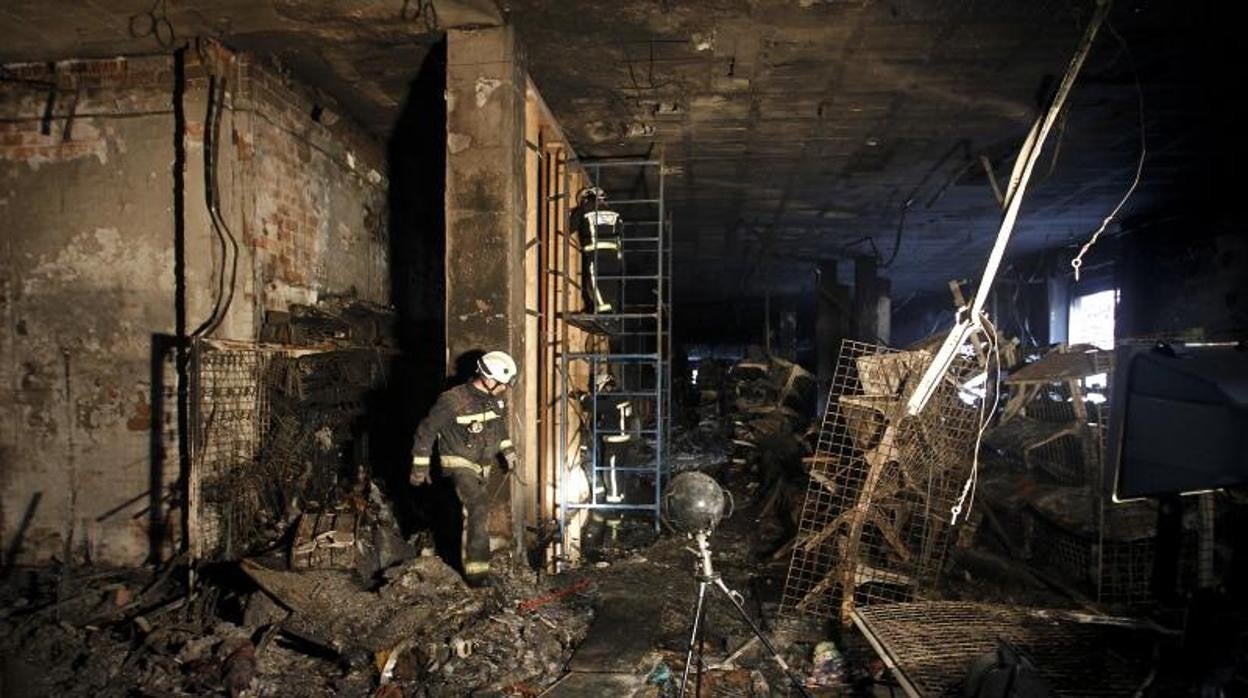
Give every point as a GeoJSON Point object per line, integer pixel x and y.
{"type": "Point", "coordinates": [87, 272]}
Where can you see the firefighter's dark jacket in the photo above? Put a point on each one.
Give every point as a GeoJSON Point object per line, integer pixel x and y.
{"type": "Point", "coordinates": [469, 426]}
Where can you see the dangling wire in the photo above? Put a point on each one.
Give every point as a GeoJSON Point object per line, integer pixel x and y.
{"type": "Point", "coordinates": [1077, 263]}
{"type": "Point", "coordinates": [967, 498]}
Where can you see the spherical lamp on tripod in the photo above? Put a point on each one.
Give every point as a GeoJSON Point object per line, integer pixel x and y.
{"type": "Point", "coordinates": [695, 503]}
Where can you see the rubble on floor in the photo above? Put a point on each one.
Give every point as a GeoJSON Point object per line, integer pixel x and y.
{"type": "Point", "coordinates": [769, 403]}
{"type": "Point", "coordinates": [333, 321]}
{"type": "Point", "coordinates": [419, 632]}
{"type": "Point", "coordinates": [613, 535]}
{"type": "Point", "coordinates": [735, 662]}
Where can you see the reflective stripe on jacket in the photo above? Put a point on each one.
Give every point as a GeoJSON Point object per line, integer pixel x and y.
{"type": "Point", "coordinates": [469, 426]}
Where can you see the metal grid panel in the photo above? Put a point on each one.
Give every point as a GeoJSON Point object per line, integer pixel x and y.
{"type": "Point", "coordinates": [1062, 459]}
{"type": "Point", "coordinates": [1073, 459]}
{"type": "Point", "coordinates": [1121, 574]}
{"type": "Point", "coordinates": [931, 643]}
{"type": "Point", "coordinates": [229, 409]}
{"type": "Point", "coordinates": [267, 420]}
{"type": "Point", "coordinates": [1126, 571]}
{"type": "Point", "coordinates": [876, 518]}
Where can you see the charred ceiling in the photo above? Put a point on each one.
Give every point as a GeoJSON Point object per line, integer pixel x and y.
{"type": "Point", "coordinates": [796, 131]}
{"type": "Point", "coordinates": [361, 53]}
{"type": "Point", "coordinates": [793, 130]}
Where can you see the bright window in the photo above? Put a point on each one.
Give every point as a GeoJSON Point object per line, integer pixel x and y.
{"type": "Point", "coordinates": [1092, 322]}
{"type": "Point", "coordinates": [1092, 319]}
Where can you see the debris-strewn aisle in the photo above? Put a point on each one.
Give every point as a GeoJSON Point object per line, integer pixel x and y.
{"type": "Point", "coordinates": [312, 620]}
{"type": "Point", "coordinates": [272, 632]}
{"type": "Point", "coordinates": [645, 601]}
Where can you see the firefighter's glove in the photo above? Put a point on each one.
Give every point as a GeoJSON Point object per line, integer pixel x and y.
{"type": "Point", "coordinates": [509, 459]}
{"type": "Point", "coordinates": [420, 472]}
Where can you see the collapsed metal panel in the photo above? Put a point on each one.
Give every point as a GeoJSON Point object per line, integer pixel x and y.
{"type": "Point", "coordinates": [930, 645]}
{"type": "Point", "coordinates": [876, 518]}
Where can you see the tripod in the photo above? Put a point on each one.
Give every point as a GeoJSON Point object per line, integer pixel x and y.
{"type": "Point", "coordinates": [707, 576]}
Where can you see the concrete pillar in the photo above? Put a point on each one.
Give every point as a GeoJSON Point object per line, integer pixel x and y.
{"type": "Point", "coordinates": [1058, 287]}
{"type": "Point", "coordinates": [787, 345]}
{"type": "Point", "coordinates": [485, 210]}
{"type": "Point", "coordinates": [831, 323]}
{"type": "Point", "coordinates": [883, 307]}
{"type": "Point", "coordinates": [871, 310]}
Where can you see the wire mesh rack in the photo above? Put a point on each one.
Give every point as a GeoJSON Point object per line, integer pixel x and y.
{"type": "Point", "coordinates": [930, 644]}
{"type": "Point", "coordinates": [1067, 459]}
{"type": "Point", "coordinates": [229, 408]}
{"type": "Point", "coordinates": [1059, 516]}
{"type": "Point", "coordinates": [1070, 398]}
{"type": "Point", "coordinates": [1107, 549]}
{"type": "Point", "coordinates": [876, 518]}
{"type": "Point", "coordinates": [270, 423]}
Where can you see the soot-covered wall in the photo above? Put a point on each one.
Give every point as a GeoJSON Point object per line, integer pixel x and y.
{"type": "Point", "coordinates": [107, 233]}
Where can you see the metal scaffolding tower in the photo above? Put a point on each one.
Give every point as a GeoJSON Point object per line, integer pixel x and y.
{"type": "Point", "coordinates": [623, 411]}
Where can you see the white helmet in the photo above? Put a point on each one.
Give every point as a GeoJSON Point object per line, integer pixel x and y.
{"type": "Point", "coordinates": [499, 366]}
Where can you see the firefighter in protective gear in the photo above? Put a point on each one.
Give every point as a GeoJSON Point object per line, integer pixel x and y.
{"type": "Point", "coordinates": [469, 425]}
{"type": "Point", "coordinates": [616, 422]}
{"type": "Point", "coordinates": [602, 260]}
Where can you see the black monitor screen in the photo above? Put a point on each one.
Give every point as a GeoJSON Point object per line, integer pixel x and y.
{"type": "Point", "coordinates": [1178, 419]}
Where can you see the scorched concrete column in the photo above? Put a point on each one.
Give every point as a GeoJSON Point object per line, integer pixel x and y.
{"type": "Point", "coordinates": [485, 204]}
{"type": "Point", "coordinates": [872, 308]}
{"type": "Point", "coordinates": [831, 324]}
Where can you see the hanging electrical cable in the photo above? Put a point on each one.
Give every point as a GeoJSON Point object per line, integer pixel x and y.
{"type": "Point", "coordinates": [215, 209]}
{"type": "Point", "coordinates": [963, 146]}
{"type": "Point", "coordinates": [1077, 263]}
{"type": "Point", "coordinates": [901, 226]}
{"type": "Point", "coordinates": [226, 242]}
{"type": "Point", "coordinates": [967, 497]}
{"type": "Point", "coordinates": [209, 143]}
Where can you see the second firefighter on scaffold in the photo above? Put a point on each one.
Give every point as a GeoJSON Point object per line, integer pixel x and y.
{"type": "Point", "coordinates": [602, 254]}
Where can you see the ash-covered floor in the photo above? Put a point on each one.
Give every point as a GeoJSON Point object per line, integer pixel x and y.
{"type": "Point", "coordinates": [257, 628]}
{"type": "Point", "coordinates": [308, 621]}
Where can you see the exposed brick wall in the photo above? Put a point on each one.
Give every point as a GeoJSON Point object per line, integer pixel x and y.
{"type": "Point", "coordinates": [58, 112]}
{"type": "Point", "coordinates": [87, 277]}
{"type": "Point", "coordinates": [319, 195]}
